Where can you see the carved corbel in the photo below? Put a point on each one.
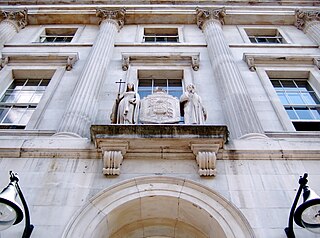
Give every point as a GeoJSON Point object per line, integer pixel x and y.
{"type": "Point", "coordinates": [113, 153]}
{"type": "Point", "coordinates": [3, 62]}
{"type": "Point", "coordinates": [117, 16]}
{"type": "Point", "coordinates": [195, 62]}
{"type": "Point", "coordinates": [125, 63]}
{"type": "Point", "coordinates": [214, 14]}
{"type": "Point", "coordinates": [316, 62]}
{"type": "Point", "coordinates": [18, 18]}
{"type": "Point", "coordinates": [301, 17]}
{"type": "Point", "coordinates": [111, 162]}
{"type": "Point", "coordinates": [70, 62]}
{"type": "Point", "coordinates": [206, 157]}
{"type": "Point", "coordinates": [251, 64]}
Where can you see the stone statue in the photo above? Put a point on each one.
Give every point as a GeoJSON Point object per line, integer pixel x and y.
{"type": "Point", "coordinates": [126, 108]}
{"type": "Point", "coordinates": [191, 107]}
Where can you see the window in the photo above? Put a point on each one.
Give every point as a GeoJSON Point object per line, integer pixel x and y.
{"type": "Point", "coordinates": [264, 36]}
{"type": "Point", "coordinates": [57, 35]}
{"type": "Point", "coordinates": [170, 81]}
{"type": "Point", "coordinates": [161, 35]}
{"type": "Point", "coordinates": [300, 102]}
{"type": "Point", "coordinates": [19, 101]}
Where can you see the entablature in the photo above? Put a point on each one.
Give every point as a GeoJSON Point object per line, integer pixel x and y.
{"type": "Point", "coordinates": [157, 14]}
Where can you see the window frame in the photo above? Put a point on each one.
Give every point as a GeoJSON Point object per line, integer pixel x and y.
{"type": "Point", "coordinates": [7, 76]}
{"type": "Point", "coordinates": [310, 73]}
{"type": "Point", "coordinates": [42, 33]}
{"type": "Point", "coordinates": [141, 33]}
{"type": "Point", "coordinates": [246, 37]}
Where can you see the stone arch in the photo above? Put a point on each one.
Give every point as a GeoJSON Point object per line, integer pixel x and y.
{"type": "Point", "coordinates": [158, 207]}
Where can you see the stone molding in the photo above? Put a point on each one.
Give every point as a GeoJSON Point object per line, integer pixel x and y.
{"type": "Point", "coordinates": [17, 18]}
{"type": "Point", "coordinates": [116, 16]}
{"type": "Point", "coordinates": [111, 162]}
{"type": "Point", "coordinates": [254, 60]}
{"type": "Point", "coordinates": [67, 59]}
{"type": "Point", "coordinates": [192, 59]}
{"type": "Point", "coordinates": [204, 15]}
{"type": "Point", "coordinates": [302, 17]}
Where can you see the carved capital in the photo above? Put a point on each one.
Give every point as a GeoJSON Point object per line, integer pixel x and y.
{"type": "Point", "coordinates": [19, 18]}
{"type": "Point", "coordinates": [118, 16]}
{"type": "Point", "coordinates": [204, 15]}
{"type": "Point", "coordinates": [111, 162]}
{"type": "Point", "coordinates": [305, 16]}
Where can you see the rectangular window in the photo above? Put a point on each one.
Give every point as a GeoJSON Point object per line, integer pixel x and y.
{"type": "Point", "coordinates": [170, 81]}
{"type": "Point", "coordinates": [57, 35]}
{"type": "Point", "coordinates": [20, 100]}
{"type": "Point", "coordinates": [300, 102]}
{"type": "Point", "coordinates": [264, 36]}
{"type": "Point", "coordinates": [161, 35]}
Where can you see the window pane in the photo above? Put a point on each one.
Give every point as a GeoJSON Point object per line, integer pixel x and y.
{"type": "Point", "coordinates": [283, 98]}
{"type": "Point", "coordinates": [288, 85]}
{"type": "Point", "coordinates": [295, 98]}
{"type": "Point", "coordinates": [291, 113]}
{"type": "Point", "coordinates": [316, 113]}
{"type": "Point", "coordinates": [36, 97]}
{"type": "Point", "coordinates": [310, 98]}
{"type": "Point", "coordinates": [304, 113]}
{"type": "Point", "coordinates": [26, 116]}
{"type": "Point", "coordinates": [3, 113]}
{"type": "Point", "coordinates": [14, 115]}
{"type": "Point", "coordinates": [162, 83]}
{"type": "Point", "coordinates": [24, 97]}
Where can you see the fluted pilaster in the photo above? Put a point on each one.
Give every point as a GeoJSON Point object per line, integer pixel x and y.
{"type": "Point", "coordinates": [238, 108]}
{"type": "Point", "coordinates": [82, 109]}
{"type": "Point", "coordinates": [11, 23]}
{"type": "Point", "coordinates": [309, 22]}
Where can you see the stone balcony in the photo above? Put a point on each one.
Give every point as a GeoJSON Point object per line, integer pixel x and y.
{"type": "Point", "coordinates": [201, 142]}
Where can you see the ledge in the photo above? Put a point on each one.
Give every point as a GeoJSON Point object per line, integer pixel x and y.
{"type": "Point", "coordinates": [158, 141]}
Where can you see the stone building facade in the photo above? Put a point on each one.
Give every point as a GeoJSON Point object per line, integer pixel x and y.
{"type": "Point", "coordinates": [66, 66]}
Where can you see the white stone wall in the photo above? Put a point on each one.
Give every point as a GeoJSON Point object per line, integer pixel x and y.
{"type": "Point", "coordinates": [57, 188]}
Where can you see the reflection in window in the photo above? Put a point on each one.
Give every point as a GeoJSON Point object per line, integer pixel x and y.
{"type": "Point", "coordinates": [57, 35]}
{"type": "Point", "coordinates": [299, 100]}
{"type": "Point", "coordinates": [161, 35]}
{"type": "Point", "coordinates": [20, 100]}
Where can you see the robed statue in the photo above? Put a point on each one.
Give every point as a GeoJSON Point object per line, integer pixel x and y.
{"type": "Point", "coordinates": [191, 107]}
{"type": "Point", "coordinates": [126, 108]}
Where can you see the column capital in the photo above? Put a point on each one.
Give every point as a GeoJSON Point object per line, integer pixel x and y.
{"type": "Point", "coordinates": [18, 18]}
{"type": "Point", "coordinates": [204, 15]}
{"type": "Point", "coordinates": [118, 16]}
{"type": "Point", "coordinates": [302, 17]}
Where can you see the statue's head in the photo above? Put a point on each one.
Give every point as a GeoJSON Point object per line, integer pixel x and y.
{"type": "Point", "coordinates": [130, 87]}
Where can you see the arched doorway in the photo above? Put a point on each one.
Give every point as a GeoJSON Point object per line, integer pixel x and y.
{"type": "Point", "coordinates": [158, 207]}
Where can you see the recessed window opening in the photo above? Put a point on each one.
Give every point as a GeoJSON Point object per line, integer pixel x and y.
{"type": "Point", "coordinates": [264, 36]}
{"type": "Point", "coordinates": [162, 35]}
{"type": "Point", "coordinates": [150, 80]}
{"type": "Point", "coordinates": [300, 101]}
{"type": "Point", "coordinates": [57, 35]}
{"type": "Point", "coordinates": [20, 100]}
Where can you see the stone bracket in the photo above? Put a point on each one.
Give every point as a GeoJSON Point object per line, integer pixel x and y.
{"type": "Point", "coordinates": [113, 156]}
{"type": "Point", "coordinates": [254, 60]}
{"type": "Point", "coordinates": [67, 59]}
{"type": "Point", "coordinates": [206, 157]}
{"type": "Point", "coordinates": [161, 58]}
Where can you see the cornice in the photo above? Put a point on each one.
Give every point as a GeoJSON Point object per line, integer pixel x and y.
{"type": "Point", "coordinates": [157, 14]}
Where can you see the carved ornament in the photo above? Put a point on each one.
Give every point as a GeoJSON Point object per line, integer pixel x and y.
{"type": "Point", "coordinates": [206, 157]}
{"type": "Point", "coordinates": [159, 108]}
{"type": "Point", "coordinates": [117, 16]}
{"type": "Point", "coordinates": [305, 16]}
{"type": "Point", "coordinates": [111, 162]}
{"type": "Point", "coordinates": [215, 14]}
{"type": "Point", "coordinates": [19, 18]}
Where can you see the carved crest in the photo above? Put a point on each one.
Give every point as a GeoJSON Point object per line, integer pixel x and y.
{"type": "Point", "coordinates": [159, 108]}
